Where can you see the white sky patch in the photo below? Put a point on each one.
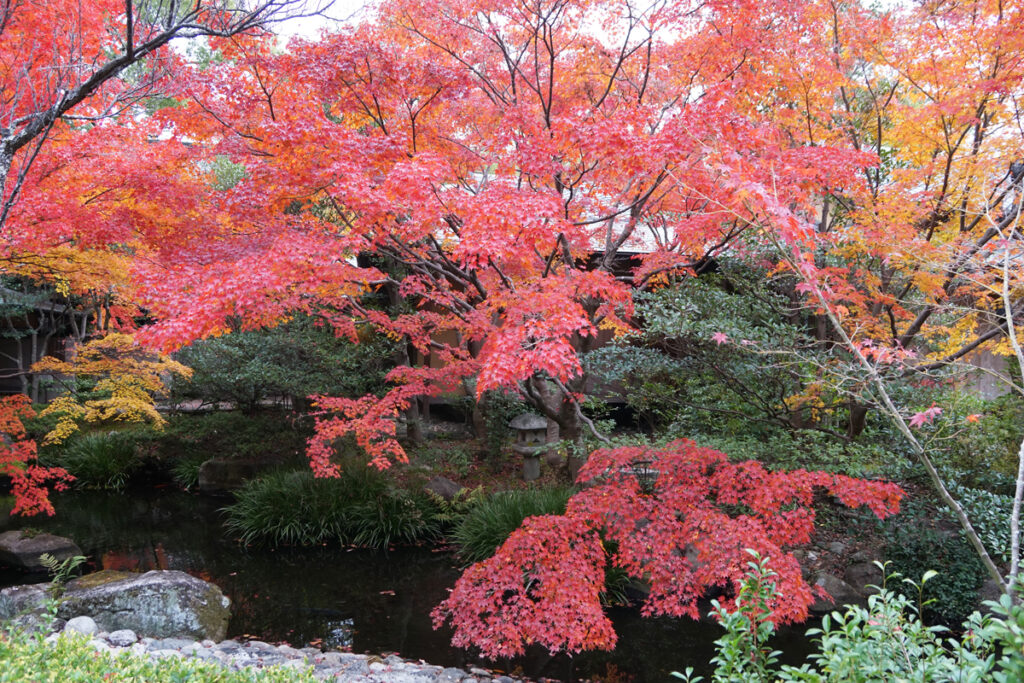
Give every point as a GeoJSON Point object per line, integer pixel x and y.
{"type": "Point", "coordinates": [340, 13]}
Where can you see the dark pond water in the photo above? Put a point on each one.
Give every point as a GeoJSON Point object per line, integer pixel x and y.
{"type": "Point", "coordinates": [372, 602]}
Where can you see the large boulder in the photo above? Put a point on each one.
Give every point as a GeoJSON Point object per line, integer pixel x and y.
{"type": "Point", "coordinates": [22, 551]}
{"type": "Point", "coordinates": [157, 604]}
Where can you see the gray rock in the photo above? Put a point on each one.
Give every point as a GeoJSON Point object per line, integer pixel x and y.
{"type": "Point", "coordinates": [22, 552]}
{"type": "Point", "coordinates": [358, 667]}
{"type": "Point", "coordinates": [443, 487]}
{"type": "Point", "coordinates": [124, 637]}
{"type": "Point", "coordinates": [161, 604]}
{"type": "Point", "coordinates": [17, 600]}
{"type": "Point", "coordinates": [842, 593]}
{"type": "Point", "coordinates": [81, 624]}
{"type": "Point", "coordinates": [171, 644]}
{"type": "Point", "coordinates": [862, 575]}
{"type": "Point", "coordinates": [229, 646]}
{"type": "Point", "coordinates": [836, 547]}
{"type": "Point", "coordinates": [331, 659]}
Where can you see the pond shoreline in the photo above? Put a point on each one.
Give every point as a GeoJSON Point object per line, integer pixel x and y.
{"type": "Point", "coordinates": [255, 654]}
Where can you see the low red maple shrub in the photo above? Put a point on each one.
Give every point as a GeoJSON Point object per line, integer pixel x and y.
{"type": "Point", "coordinates": [543, 584]}
{"type": "Point", "coordinates": [29, 479]}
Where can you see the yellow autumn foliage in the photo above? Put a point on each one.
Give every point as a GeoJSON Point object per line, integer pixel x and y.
{"type": "Point", "coordinates": [128, 378]}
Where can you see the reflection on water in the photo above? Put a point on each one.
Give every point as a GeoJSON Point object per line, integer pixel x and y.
{"type": "Point", "coordinates": [338, 598]}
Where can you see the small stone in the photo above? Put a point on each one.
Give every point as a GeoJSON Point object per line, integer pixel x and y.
{"type": "Point", "coordinates": [122, 637]}
{"type": "Point", "coordinates": [229, 646]}
{"type": "Point", "coordinates": [274, 660]}
{"type": "Point", "coordinates": [393, 660]}
{"type": "Point", "coordinates": [357, 667]}
{"type": "Point", "coordinates": [311, 651]}
{"type": "Point", "coordinates": [259, 645]}
{"type": "Point", "coordinates": [331, 659]}
{"type": "Point", "coordinates": [378, 666]}
{"type": "Point", "coordinates": [450, 675]}
{"type": "Point", "coordinates": [836, 548]}
{"type": "Point", "coordinates": [171, 644]}
{"type": "Point", "coordinates": [208, 643]}
{"type": "Point", "coordinates": [138, 649]}
{"type": "Point", "coordinates": [503, 679]}
{"type": "Point", "coordinates": [164, 654]}
{"type": "Point", "coordinates": [288, 651]}
{"type": "Point", "coordinates": [81, 625]}
{"type": "Point", "coordinates": [480, 672]}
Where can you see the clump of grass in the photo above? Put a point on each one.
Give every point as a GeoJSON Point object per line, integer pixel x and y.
{"type": "Point", "coordinates": [490, 522]}
{"type": "Point", "coordinates": [358, 508]}
{"type": "Point", "coordinates": [394, 516]}
{"type": "Point", "coordinates": [102, 460]}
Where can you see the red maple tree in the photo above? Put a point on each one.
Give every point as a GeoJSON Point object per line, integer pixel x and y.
{"type": "Point", "coordinates": [29, 479]}
{"type": "Point", "coordinates": [686, 537]}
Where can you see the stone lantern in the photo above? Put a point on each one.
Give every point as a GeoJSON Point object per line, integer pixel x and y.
{"type": "Point", "coordinates": [531, 441]}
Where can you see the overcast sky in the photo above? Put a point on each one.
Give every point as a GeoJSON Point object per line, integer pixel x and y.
{"type": "Point", "coordinates": [339, 13]}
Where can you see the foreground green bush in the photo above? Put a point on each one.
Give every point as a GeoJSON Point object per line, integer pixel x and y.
{"type": "Point", "coordinates": [360, 507]}
{"type": "Point", "coordinates": [887, 641]}
{"type": "Point", "coordinates": [489, 523]}
{"type": "Point", "coordinates": [71, 658]}
{"type": "Point", "coordinates": [916, 541]}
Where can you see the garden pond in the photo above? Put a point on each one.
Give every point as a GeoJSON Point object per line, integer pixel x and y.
{"type": "Point", "coordinates": [358, 600]}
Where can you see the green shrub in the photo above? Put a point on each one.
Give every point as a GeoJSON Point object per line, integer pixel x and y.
{"type": "Point", "coordinates": [887, 641]}
{"type": "Point", "coordinates": [102, 460]}
{"type": "Point", "coordinates": [71, 658]}
{"type": "Point", "coordinates": [455, 458]}
{"type": "Point", "coordinates": [990, 515]}
{"type": "Point", "coordinates": [360, 507]}
{"type": "Point", "coordinates": [296, 359]}
{"type": "Point", "coordinates": [232, 433]}
{"type": "Point", "coordinates": [915, 545]}
{"type": "Point", "coordinates": [489, 523]}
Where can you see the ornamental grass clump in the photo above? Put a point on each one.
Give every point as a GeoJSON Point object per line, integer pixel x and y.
{"type": "Point", "coordinates": [360, 507]}
{"type": "Point", "coordinates": [492, 520]}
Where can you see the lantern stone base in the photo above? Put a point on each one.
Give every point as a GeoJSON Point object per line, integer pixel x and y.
{"type": "Point", "coordinates": [531, 467]}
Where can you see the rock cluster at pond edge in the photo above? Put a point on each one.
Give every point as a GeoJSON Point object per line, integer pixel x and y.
{"type": "Point", "coordinates": [330, 666]}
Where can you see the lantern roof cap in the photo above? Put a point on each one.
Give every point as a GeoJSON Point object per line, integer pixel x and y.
{"type": "Point", "coordinates": [528, 421]}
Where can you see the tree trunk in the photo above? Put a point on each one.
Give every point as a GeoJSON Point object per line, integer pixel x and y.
{"type": "Point", "coordinates": [858, 419]}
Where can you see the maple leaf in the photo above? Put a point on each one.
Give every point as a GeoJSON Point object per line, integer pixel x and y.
{"type": "Point", "coordinates": [925, 416]}
{"type": "Point", "coordinates": [720, 338]}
